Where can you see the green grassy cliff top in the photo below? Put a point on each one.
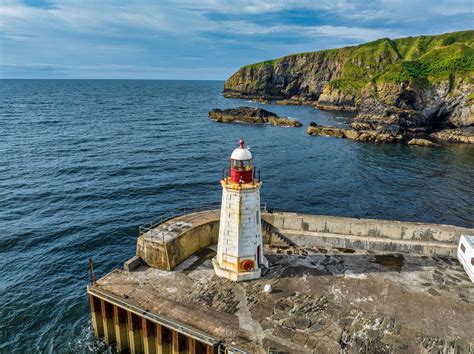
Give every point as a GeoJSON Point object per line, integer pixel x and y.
{"type": "Point", "coordinates": [432, 58]}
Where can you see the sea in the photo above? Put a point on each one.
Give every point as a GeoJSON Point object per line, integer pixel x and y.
{"type": "Point", "coordinates": [84, 163]}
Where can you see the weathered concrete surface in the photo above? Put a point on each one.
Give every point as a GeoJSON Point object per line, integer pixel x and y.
{"type": "Point", "coordinates": [323, 301]}
{"type": "Point", "coordinates": [380, 235]}
{"type": "Point", "coordinates": [171, 242]}
{"type": "Point", "coordinates": [132, 264]}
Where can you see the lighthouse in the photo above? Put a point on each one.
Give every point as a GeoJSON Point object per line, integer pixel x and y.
{"type": "Point", "coordinates": [240, 249]}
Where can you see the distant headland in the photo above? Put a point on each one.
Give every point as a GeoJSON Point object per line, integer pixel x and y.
{"type": "Point", "coordinates": [401, 89]}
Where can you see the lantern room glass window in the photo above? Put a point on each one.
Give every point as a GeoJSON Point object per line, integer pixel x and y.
{"type": "Point", "coordinates": [241, 165]}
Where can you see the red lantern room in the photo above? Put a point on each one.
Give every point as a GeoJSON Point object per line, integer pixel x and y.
{"type": "Point", "coordinates": [241, 165]}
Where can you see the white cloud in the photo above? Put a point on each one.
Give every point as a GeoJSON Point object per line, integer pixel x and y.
{"type": "Point", "coordinates": [188, 33]}
{"type": "Point", "coordinates": [247, 28]}
{"type": "Point", "coordinates": [100, 18]}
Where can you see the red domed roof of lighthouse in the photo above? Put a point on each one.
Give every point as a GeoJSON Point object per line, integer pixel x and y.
{"type": "Point", "coordinates": [241, 153]}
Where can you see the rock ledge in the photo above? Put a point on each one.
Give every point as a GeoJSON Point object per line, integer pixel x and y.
{"type": "Point", "coordinates": [251, 116]}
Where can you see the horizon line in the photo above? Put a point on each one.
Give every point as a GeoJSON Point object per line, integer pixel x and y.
{"type": "Point", "coordinates": [23, 78]}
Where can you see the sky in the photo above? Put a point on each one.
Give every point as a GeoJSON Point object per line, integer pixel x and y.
{"type": "Point", "coordinates": [202, 39]}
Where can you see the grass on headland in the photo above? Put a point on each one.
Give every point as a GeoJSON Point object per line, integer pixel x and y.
{"type": "Point", "coordinates": [421, 59]}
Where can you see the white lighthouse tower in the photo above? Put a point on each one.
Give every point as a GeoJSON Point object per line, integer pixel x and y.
{"type": "Point", "coordinates": [240, 249]}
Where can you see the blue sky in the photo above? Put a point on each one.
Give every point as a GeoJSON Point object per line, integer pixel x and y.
{"type": "Point", "coordinates": [206, 39]}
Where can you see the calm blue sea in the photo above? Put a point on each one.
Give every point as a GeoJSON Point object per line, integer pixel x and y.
{"type": "Point", "coordinates": [84, 163]}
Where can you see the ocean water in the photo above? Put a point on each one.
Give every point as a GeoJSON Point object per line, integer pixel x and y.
{"type": "Point", "coordinates": [84, 163]}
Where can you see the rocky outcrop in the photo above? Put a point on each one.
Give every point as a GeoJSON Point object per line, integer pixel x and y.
{"type": "Point", "coordinates": [260, 100]}
{"type": "Point", "coordinates": [251, 116]}
{"type": "Point", "coordinates": [335, 132]}
{"type": "Point", "coordinates": [365, 135]}
{"type": "Point", "coordinates": [416, 85]}
{"type": "Point", "coordinates": [384, 134]}
{"type": "Point", "coordinates": [455, 135]}
{"type": "Point", "coordinates": [422, 142]}
{"type": "Point", "coordinates": [292, 102]}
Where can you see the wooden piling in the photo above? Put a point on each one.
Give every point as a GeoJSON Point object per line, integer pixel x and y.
{"type": "Point", "coordinates": [121, 328]}
{"type": "Point", "coordinates": [149, 336]}
{"type": "Point", "coordinates": [191, 345]}
{"type": "Point", "coordinates": [175, 342]}
{"type": "Point", "coordinates": [134, 333]}
{"type": "Point", "coordinates": [96, 316]}
{"type": "Point", "coordinates": [107, 322]}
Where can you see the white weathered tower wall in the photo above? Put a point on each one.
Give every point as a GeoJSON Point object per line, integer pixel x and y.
{"type": "Point", "coordinates": [240, 231]}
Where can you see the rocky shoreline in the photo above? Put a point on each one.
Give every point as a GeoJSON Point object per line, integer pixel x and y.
{"type": "Point", "coordinates": [251, 115]}
{"type": "Point", "coordinates": [386, 127]}
{"type": "Point", "coordinates": [354, 134]}
{"type": "Point", "coordinates": [402, 89]}
{"type": "Point", "coordinates": [386, 134]}
{"type": "Point", "coordinates": [360, 130]}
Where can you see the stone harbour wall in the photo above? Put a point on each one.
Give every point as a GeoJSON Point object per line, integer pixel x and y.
{"type": "Point", "coordinates": [312, 231]}
{"type": "Point", "coordinates": [377, 235]}
{"type": "Point", "coordinates": [167, 255]}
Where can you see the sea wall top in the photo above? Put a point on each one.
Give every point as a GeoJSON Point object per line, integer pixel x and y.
{"type": "Point", "coordinates": [390, 229]}
{"type": "Point", "coordinates": [172, 242]}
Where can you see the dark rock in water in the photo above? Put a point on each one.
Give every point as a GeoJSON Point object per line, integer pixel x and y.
{"type": "Point", "coordinates": [315, 129]}
{"type": "Point", "coordinates": [422, 142]}
{"type": "Point", "coordinates": [292, 102]}
{"type": "Point", "coordinates": [260, 100]}
{"type": "Point", "coordinates": [465, 135]}
{"type": "Point", "coordinates": [392, 133]}
{"type": "Point", "coordinates": [252, 116]}
{"type": "Point", "coordinates": [359, 135]}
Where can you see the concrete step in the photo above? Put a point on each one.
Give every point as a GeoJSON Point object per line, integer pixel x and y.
{"type": "Point", "coordinates": [276, 239]}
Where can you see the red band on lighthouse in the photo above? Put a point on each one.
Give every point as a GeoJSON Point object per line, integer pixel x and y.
{"type": "Point", "coordinates": [241, 165]}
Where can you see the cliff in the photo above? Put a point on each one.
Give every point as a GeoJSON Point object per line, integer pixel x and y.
{"type": "Point", "coordinates": [417, 85]}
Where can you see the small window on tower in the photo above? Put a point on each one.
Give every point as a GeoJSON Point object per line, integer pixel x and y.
{"type": "Point", "coordinates": [472, 261]}
{"type": "Point", "coordinates": [463, 248]}
{"type": "Point", "coordinates": [257, 217]}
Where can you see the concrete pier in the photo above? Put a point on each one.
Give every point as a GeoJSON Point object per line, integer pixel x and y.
{"type": "Point", "coordinates": [332, 277]}
{"type": "Point", "coordinates": [132, 329]}
{"type": "Point", "coordinates": [412, 304]}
